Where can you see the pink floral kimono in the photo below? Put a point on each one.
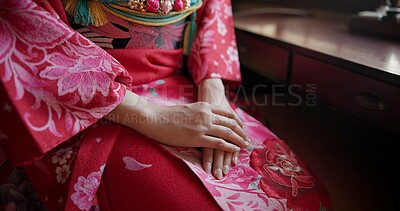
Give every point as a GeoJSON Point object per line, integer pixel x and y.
{"type": "Point", "coordinates": [59, 80]}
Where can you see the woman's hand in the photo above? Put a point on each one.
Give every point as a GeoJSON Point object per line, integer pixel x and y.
{"type": "Point", "coordinates": [214, 160]}
{"type": "Point", "coordinates": [192, 125]}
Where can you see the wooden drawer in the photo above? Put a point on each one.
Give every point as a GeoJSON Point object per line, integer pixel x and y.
{"type": "Point", "coordinates": [266, 59]}
{"type": "Point", "coordinates": [364, 97]}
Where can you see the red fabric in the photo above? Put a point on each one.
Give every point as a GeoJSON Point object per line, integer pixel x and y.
{"type": "Point", "coordinates": [146, 65]}
{"type": "Point", "coordinates": [59, 9]}
{"type": "Point", "coordinates": [90, 158]}
{"type": "Point", "coordinates": [277, 159]}
{"type": "Point", "coordinates": [55, 77]}
{"type": "Point", "coordinates": [214, 50]}
{"type": "Point", "coordinates": [51, 107]}
{"type": "Point", "coordinates": [174, 191]}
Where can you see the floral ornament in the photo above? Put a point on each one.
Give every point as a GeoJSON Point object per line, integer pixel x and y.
{"type": "Point", "coordinates": [282, 174]}
{"type": "Point", "coordinates": [62, 173]}
{"type": "Point", "coordinates": [221, 28]}
{"type": "Point", "coordinates": [166, 6]}
{"type": "Point", "coordinates": [233, 54]}
{"type": "Point", "coordinates": [34, 43]}
{"type": "Point", "coordinates": [152, 5]}
{"type": "Point", "coordinates": [160, 6]}
{"type": "Point", "coordinates": [62, 155]}
{"type": "Point", "coordinates": [85, 74]}
{"type": "Point", "coordinates": [18, 193]}
{"type": "Point", "coordinates": [85, 190]}
{"type": "Point", "coordinates": [179, 5]}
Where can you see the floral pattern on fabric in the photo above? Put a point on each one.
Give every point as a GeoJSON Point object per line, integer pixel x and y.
{"type": "Point", "coordinates": [214, 52]}
{"type": "Point", "coordinates": [240, 189]}
{"type": "Point", "coordinates": [85, 190]}
{"type": "Point", "coordinates": [39, 54]}
{"type": "Point", "coordinates": [65, 101]}
{"type": "Point", "coordinates": [281, 171]}
{"type": "Point", "coordinates": [19, 194]}
{"type": "Point", "coordinates": [119, 33]}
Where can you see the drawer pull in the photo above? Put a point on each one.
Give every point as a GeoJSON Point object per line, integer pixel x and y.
{"type": "Point", "coordinates": [372, 100]}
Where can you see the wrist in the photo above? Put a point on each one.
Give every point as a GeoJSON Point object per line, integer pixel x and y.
{"type": "Point", "coordinates": [212, 84]}
{"type": "Point", "coordinates": [212, 91]}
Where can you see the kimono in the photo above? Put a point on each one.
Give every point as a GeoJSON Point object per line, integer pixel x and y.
{"type": "Point", "coordinates": [58, 82]}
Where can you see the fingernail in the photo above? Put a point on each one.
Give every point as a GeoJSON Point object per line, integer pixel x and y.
{"type": "Point", "coordinates": [235, 160]}
{"type": "Point", "coordinates": [219, 173]}
{"type": "Point", "coordinates": [208, 168]}
{"type": "Point", "coordinates": [248, 139]}
{"type": "Point", "coordinates": [237, 149]}
{"type": "Point", "coordinates": [226, 169]}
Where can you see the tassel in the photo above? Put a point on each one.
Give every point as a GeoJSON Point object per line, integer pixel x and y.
{"type": "Point", "coordinates": [99, 17]}
{"type": "Point", "coordinates": [189, 33]}
{"type": "Point", "coordinates": [69, 6]}
{"type": "Point", "coordinates": [81, 13]}
{"type": "Point", "coordinates": [86, 12]}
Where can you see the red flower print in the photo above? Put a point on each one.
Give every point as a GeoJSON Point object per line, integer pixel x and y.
{"type": "Point", "coordinates": [281, 171]}
{"type": "Point", "coordinates": [152, 5]}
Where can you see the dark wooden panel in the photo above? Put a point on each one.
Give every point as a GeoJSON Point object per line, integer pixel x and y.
{"type": "Point", "coordinates": [268, 60]}
{"type": "Point", "coordinates": [330, 40]}
{"type": "Point", "coordinates": [366, 98]}
{"type": "Point", "coordinates": [333, 5]}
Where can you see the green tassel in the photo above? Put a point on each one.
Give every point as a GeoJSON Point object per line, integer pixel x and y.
{"type": "Point", "coordinates": [82, 13]}
{"type": "Point", "coordinates": [88, 12]}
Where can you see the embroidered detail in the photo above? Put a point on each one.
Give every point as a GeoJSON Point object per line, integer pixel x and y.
{"type": "Point", "coordinates": [62, 155]}
{"type": "Point", "coordinates": [62, 173]}
{"type": "Point", "coordinates": [160, 6]}
{"type": "Point", "coordinates": [134, 165]}
{"type": "Point", "coordinates": [85, 190]}
{"type": "Point", "coordinates": [278, 165]}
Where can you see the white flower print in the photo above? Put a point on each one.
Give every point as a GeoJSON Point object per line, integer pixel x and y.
{"type": "Point", "coordinates": [228, 10]}
{"type": "Point", "coordinates": [62, 173]}
{"type": "Point", "coordinates": [222, 28]}
{"type": "Point", "coordinates": [232, 54]}
{"type": "Point", "coordinates": [62, 155]}
{"type": "Point", "coordinates": [215, 75]}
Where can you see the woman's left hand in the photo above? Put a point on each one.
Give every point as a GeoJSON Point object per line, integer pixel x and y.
{"type": "Point", "coordinates": [217, 162]}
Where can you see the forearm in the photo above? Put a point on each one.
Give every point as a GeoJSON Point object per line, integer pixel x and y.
{"type": "Point", "coordinates": [132, 111]}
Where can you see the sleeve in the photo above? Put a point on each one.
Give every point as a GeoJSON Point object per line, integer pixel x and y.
{"type": "Point", "coordinates": [214, 51]}
{"type": "Point", "coordinates": [54, 82]}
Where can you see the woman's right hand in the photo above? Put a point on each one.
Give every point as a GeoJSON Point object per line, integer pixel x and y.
{"type": "Point", "coordinates": [194, 125]}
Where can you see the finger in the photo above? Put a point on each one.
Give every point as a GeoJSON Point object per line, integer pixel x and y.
{"type": "Point", "coordinates": [227, 134]}
{"type": "Point", "coordinates": [225, 113]}
{"type": "Point", "coordinates": [232, 124]}
{"type": "Point", "coordinates": [218, 161]}
{"type": "Point", "coordinates": [235, 158]}
{"type": "Point", "coordinates": [227, 162]}
{"type": "Point", "coordinates": [217, 143]}
{"type": "Point", "coordinates": [208, 155]}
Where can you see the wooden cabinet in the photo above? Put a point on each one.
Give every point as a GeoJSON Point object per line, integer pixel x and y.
{"type": "Point", "coordinates": [267, 59]}
{"type": "Point", "coordinates": [369, 99]}
{"type": "Point", "coordinates": [356, 73]}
